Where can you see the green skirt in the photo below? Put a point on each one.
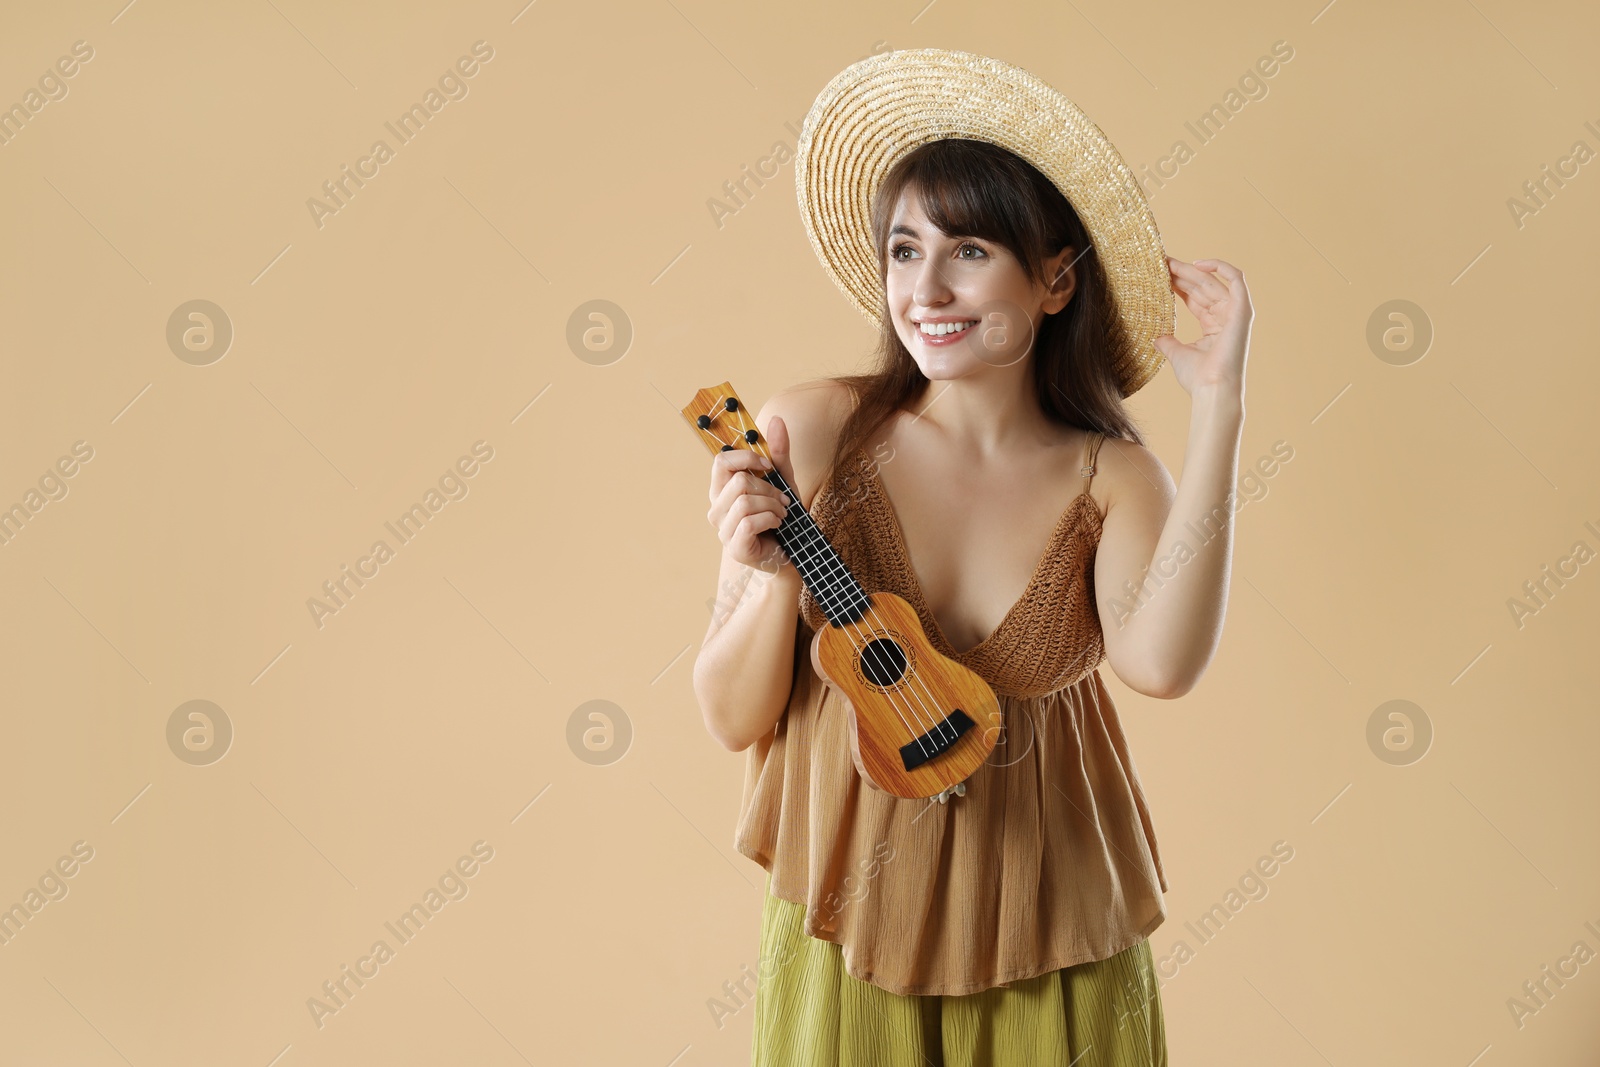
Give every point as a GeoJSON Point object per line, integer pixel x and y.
{"type": "Point", "coordinates": [810, 1013]}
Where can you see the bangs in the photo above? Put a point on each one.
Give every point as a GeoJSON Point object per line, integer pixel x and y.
{"type": "Point", "coordinates": [972, 189]}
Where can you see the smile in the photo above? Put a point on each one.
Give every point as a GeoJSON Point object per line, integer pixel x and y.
{"type": "Point", "coordinates": [943, 329]}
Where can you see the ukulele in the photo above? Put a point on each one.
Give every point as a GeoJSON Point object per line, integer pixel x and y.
{"type": "Point", "coordinates": [920, 723]}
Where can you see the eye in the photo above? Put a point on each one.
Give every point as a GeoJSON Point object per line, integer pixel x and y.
{"type": "Point", "coordinates": [895, 250]}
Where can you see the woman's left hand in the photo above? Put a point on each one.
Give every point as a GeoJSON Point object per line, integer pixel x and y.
{"type": "Point", "coordinates": [1216, 295]}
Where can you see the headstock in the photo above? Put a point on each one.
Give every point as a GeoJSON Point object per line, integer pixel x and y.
{"type": "Point", "coordinates": [722, 422]}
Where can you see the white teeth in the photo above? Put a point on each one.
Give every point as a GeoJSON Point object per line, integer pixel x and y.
{"type": "Point", "coordinates": [939, 329]}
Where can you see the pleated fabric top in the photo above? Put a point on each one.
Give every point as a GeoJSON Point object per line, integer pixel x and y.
{"type": "Point", "coordinates": [1049, 860]}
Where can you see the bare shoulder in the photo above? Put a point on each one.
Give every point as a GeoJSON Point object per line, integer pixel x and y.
{"type": "Point", "coordinates": [1135, 479]}
{"type": "Point", "coordinates": [813, 413]}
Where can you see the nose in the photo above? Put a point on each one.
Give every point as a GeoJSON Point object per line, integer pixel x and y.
{"type": "Point", "coordinates": [931, 288]}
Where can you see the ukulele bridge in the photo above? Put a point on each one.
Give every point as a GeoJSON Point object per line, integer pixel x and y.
{"type": "Point", "coordinates": [937, 740]}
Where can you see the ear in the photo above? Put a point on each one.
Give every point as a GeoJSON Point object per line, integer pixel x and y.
{"type": "Point", "coordinates": [1062, 274]}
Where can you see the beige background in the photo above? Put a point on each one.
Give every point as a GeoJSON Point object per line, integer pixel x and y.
{"type": "Point", "coordinates": [429, 713]}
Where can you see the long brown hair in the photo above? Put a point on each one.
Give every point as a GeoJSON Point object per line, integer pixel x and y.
{"type": "Point", "coordinates": [977, 189]}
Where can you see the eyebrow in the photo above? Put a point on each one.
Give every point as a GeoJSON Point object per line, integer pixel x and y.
{"type": "Point", "coordinates": [909, 232]}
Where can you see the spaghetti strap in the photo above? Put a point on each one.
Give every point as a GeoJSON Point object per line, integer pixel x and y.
{"type": "Point", "coordinates": [1092, 451]}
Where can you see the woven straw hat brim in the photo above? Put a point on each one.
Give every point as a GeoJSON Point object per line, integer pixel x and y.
{"type": "Point", "coordinates": [877, 110]}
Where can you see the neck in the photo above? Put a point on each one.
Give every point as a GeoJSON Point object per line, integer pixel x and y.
{"type": "Point", "coordinates": [984, 415]}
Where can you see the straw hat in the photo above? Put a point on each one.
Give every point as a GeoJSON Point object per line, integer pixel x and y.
{"type": "Point", "coordinates": [877, 110]}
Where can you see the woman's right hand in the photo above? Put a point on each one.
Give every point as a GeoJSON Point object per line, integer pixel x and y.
{"type": "Point", "coordinates": [745, 507]}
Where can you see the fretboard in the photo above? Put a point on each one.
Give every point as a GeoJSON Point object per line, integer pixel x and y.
{"type": "Point", "coordinates": [832, 586]}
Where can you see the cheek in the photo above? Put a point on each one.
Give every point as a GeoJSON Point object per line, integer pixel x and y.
{"type": "Point", "coordinates": [899, 303]}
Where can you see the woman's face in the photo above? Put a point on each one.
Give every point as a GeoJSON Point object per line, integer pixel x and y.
{"type": "Point", "coordinates": [964, 304]}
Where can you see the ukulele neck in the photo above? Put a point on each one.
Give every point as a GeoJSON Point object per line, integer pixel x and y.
{"type": "Point", "coordinates": [831, 584]}
{"type": "Point", "coordinates": [723, 423]}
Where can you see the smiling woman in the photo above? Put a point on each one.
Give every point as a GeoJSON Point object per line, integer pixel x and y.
{"type": "Point", "coordinates": [970, 232]}
{"type": "Point", "coordinates": [1009, 260]}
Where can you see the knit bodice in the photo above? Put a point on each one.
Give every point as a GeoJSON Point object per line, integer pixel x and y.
{"type": "Point", "coordinates": [1049, 639]}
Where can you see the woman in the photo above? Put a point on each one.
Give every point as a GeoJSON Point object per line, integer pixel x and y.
{"type": "Point", "coordinates": [987, 472]}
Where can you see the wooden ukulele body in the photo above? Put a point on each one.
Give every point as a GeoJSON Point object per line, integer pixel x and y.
{"type": "Point", "coordinates": [898, 686]}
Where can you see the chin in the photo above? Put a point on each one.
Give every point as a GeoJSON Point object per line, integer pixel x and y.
{"type": "Point", "coordinates": [944, 369]}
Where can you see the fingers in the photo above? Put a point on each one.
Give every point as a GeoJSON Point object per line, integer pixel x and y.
{"type": "Point", "coordinates": [724, 465]}
{"type": "Point", "coordinates": [1222, 267]}
{"type": "Point", "coordinates": [1203, 269]}
{"type": "Point", "coordinates": [745, 506]}
{"type": "Point", "coordinates": [1200, 279]}
{"type": "Point", "coordinates": [741, 530]}
{"type": "Point", "coordinates": [1237, 288]}
{"type": "Point", "coordinates": [745, 496]}
{"type": "Point", "coordinates": [747, 518]}
{"type": "Point", "coordinates": [750, 484]}
{"type": "Point", "coordinates": [1192, 278]}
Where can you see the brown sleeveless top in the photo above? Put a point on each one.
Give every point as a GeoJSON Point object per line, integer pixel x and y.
{"type": "Point", "coordinates": [1050, 858]}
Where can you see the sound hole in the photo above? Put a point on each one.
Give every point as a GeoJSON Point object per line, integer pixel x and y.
{"type": "Point", "coordinates": [883, 662]}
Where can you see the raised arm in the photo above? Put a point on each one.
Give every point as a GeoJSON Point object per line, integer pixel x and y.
{"type": "Point", "coordinates": [1162, 568]}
